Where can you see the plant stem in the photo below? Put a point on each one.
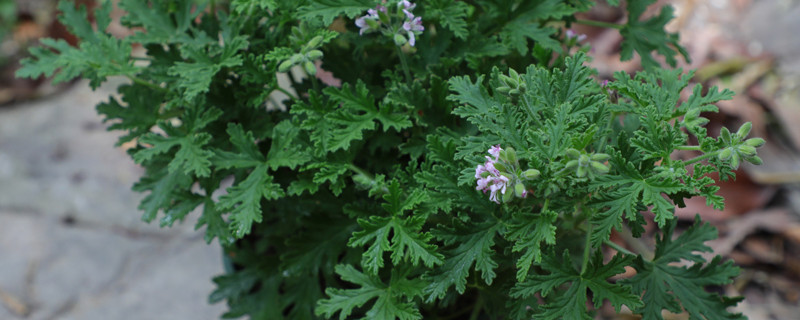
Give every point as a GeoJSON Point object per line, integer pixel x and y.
{"type": "Point", "coordinates": [694, 148]}
{"type": "Point", "coordinates": [367, 175]}
{"type": "Point", "coordinates": [287, 93]}
{"type": "Point", "coordinates": [404, 63]}
{"type": "Point", "coordinates": [476, 311]}
{"type": "Point", "coordinates": [146, 83]}
{"type": "Point", "coordinates": [701, 158]}
{"type": "Point", "coordinates": [587, 249]}
{"type": "Point", "coordinates": [637, 245]}
{"type": "Point", "coordinates": [619, 248]}
{"type": "Point", "coordinates": [599, 24]}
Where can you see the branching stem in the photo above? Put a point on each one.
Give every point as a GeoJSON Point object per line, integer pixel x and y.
{"type": "Point", "coordinates": [476, 311]}
{"type": "Point", "coordinates": [601, 24]}
{"type": "Point", "coordinates": [146, 83]}
{"type": "Point", "coordinates": [701, 157]}
{"type": "Point", "coordinates": [587, 249]}
{"type": "Point", "coordinates": [693, 148]}
{"type": "Point", "coordinates": [619, 248]}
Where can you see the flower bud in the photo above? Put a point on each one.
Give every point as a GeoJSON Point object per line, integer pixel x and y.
{"type": "Point", "coordinates": [755, 160]}
{"type": "Point", "coordinates": [373, 25]}
{"type": "Point", "coordinates": [285, 66]}
{"type": "Point", "coordinates": [314, 55]}
{"type": "Point", "coordinates": [310, 68]}
{"type": "Point", "coordinates": [316, 41]}
{"type": "Point", "coordinates": [744, 130]}
{"type": "Point", "coordinates": [572, 153]}
{"type": "Point", "coordinates": [581, 172]}
{"type": "Point", "coordinates": [503, 90]}
{"type": "Point", "coordinates": [399, 39]}
{"type": "Point", "coordinates": [511, 155]}
{"type": "Point", "coordinates": [519, 189]}
{"type": "Point", "coordinates": [500, 167]}
{"type": "Point", "coordinates": [725, 154]}
{"type": "Point", "coordinates": [531, 174]}
{"type": "Point", "coordinates": [600, 157]}
{"type": "Point", "coordinates": [755, 142]}
{"type": "Point", "coordinates": [747, 151]}
{"type": "Point", "coordinates": [599, 167]}
{"type": "Point", "coordinates": [734, 161]}
{"type": "Point", "coordinates": [571, 164]}
{"type": "Point", "coordinates": [514, 92]}
{"type": "Point", "coordinates": [508, 196]}
{"type": "Point", "coordinates": [725, 135]}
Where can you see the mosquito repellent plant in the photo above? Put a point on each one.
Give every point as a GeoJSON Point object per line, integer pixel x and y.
{"type": "Point", "coordinates": [435, 159]}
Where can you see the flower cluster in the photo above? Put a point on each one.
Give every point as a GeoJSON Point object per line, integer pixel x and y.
{"type": "Point", "coordinates": [381, 19]}
{"type": "Point", "coordinates": [500, 172]}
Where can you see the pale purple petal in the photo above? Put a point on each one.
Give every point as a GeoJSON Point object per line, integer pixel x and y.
{"type": "Point", "coordinates": [495, 151]}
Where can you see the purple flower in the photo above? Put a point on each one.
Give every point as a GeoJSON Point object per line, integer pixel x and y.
{"type": "Point", "coordinates": [495, 152]}
{"type": "Point", "coordinates": [407, 5]}
{"type": "Point", "coordinates": [571, 34]}
{"type": "Point", "coordinates": [371, 21]}
{"type": "Point", "coordinates": [413, 27]}
{"type": "Point", "coordinates": [498, 184]}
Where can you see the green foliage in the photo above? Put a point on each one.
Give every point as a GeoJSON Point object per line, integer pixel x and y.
{"type": "Point", "coordinates": [371, 194]}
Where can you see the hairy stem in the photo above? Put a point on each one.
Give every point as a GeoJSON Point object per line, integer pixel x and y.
{"type": "Point", "coordinates": [701, 158]}
{"type": "Point", "coordinates": [476, 311]}
{"type": "Point", "coordinates": [601, 24]}
{"type": "Point", "coordinates": [146, 83]}
{"type": "Point", "coordinates": [619, 248]}
{"type": "Point", "coordinates": [404, 63]}
{"type": "Point", "coordinates": [693, 148]}
{"type": "Point", "coordinates": [587, 249]}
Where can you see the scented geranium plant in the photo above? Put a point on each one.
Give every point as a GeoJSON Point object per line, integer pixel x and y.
{"type": "Point", "coordinates": [433, 159]}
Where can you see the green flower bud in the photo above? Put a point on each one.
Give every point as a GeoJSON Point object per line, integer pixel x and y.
{"type": "Point", "coordinates": [511, 155]}
{"type": "Point", "coordinates": [310, 68]}
{"type": "Point", "coordinates": [508, 196]}
{"type": "Point", "coordinates": [581, 172]}
{"type": "Point", "coordinates": [503, 90]}
{"type": "Point", "coordinates": [600, 157]}
{"type": "Point", "coordinates": [285, 66]}
{"type": "Point", "coordinates": [734, 161]}
{"type": "Point", "coordinates": [744, 130]}
{"type": "Point", "coordinates": [399, 39]}
{"type": "Point", "coordinates": [508, 81]}
{"type": "Point", "coordinates": [725, 135]}
{"type": "Point", "coordinates": [531, 174]}
{"type": "Point", "coordinates": [755, 160]}
{"type": "Point", "coordinates": [572, 164]}
{"type": "Point", "coordinates": [315, 42]}
{"type": "Point", "coordinates": [514, 75]}
{"type": "Point", "coordinates": [485, 174]}
{"type": "Point", "coordinates": [572, 153]}
{"type": "Point", "coordinates": [373, 25]}
{"type": "Point", "coordinates": [314, 55]}
{"type": "Point", "coordinates": [725, 154]}
{"type": "Point", "coordinates": [519, 188]}
{"type": "Point", "coordinates": [500, 167]}
{"type": "Point", "coordinates": [583, 160]}
{"type": "Point", "coordinates": [755, 142]}
{"type": "Point", "coordinates": [514, 92]}
{"type": "Point", "coordinates": [296, 58]}
{"type": "Point", "coordinates": [746, 150]}
{"type": "Point", "coordinates": [599, 168]}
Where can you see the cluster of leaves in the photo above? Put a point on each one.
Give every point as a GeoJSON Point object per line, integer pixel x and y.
{"type": "Point", "coordinates": [359, 199]}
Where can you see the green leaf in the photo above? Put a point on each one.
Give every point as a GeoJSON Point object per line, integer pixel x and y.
{"type": "Point", "coordinates": [248, 155]}
{"type": "Point", "coordinates": [139, 114]}
{"type": "Point", "coordinates": [407, 243]}
{"type": "Point", "coordinates": [287, 150]}
{"type": "Point", "coordinates": [475, 244]}
{"type": "Point", "coordinates": [451, 14]}
{"type": "Point", "coordinates": [244, 200]}
{"type": "Point", "coordinates": [647, 36]}
{"type": "Point", "coordinates": [571, 303]}
{"type": "Point", "coordinates": [528, 231]}
{"type": "Point", "coordinates": [391, 301]}
{"type": "Point", "coordinates": [327, 10]}
{"type": "Point", "coordinates": [163, 185]}
{"type": "Point", "coordinates": [664, 285]}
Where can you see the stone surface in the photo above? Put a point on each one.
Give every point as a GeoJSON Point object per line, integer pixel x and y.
{"type": "Point", "coordinates": [72, 245]}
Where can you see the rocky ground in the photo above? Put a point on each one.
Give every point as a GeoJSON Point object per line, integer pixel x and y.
{"type": "Point", "coordinates": [72, 245]}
